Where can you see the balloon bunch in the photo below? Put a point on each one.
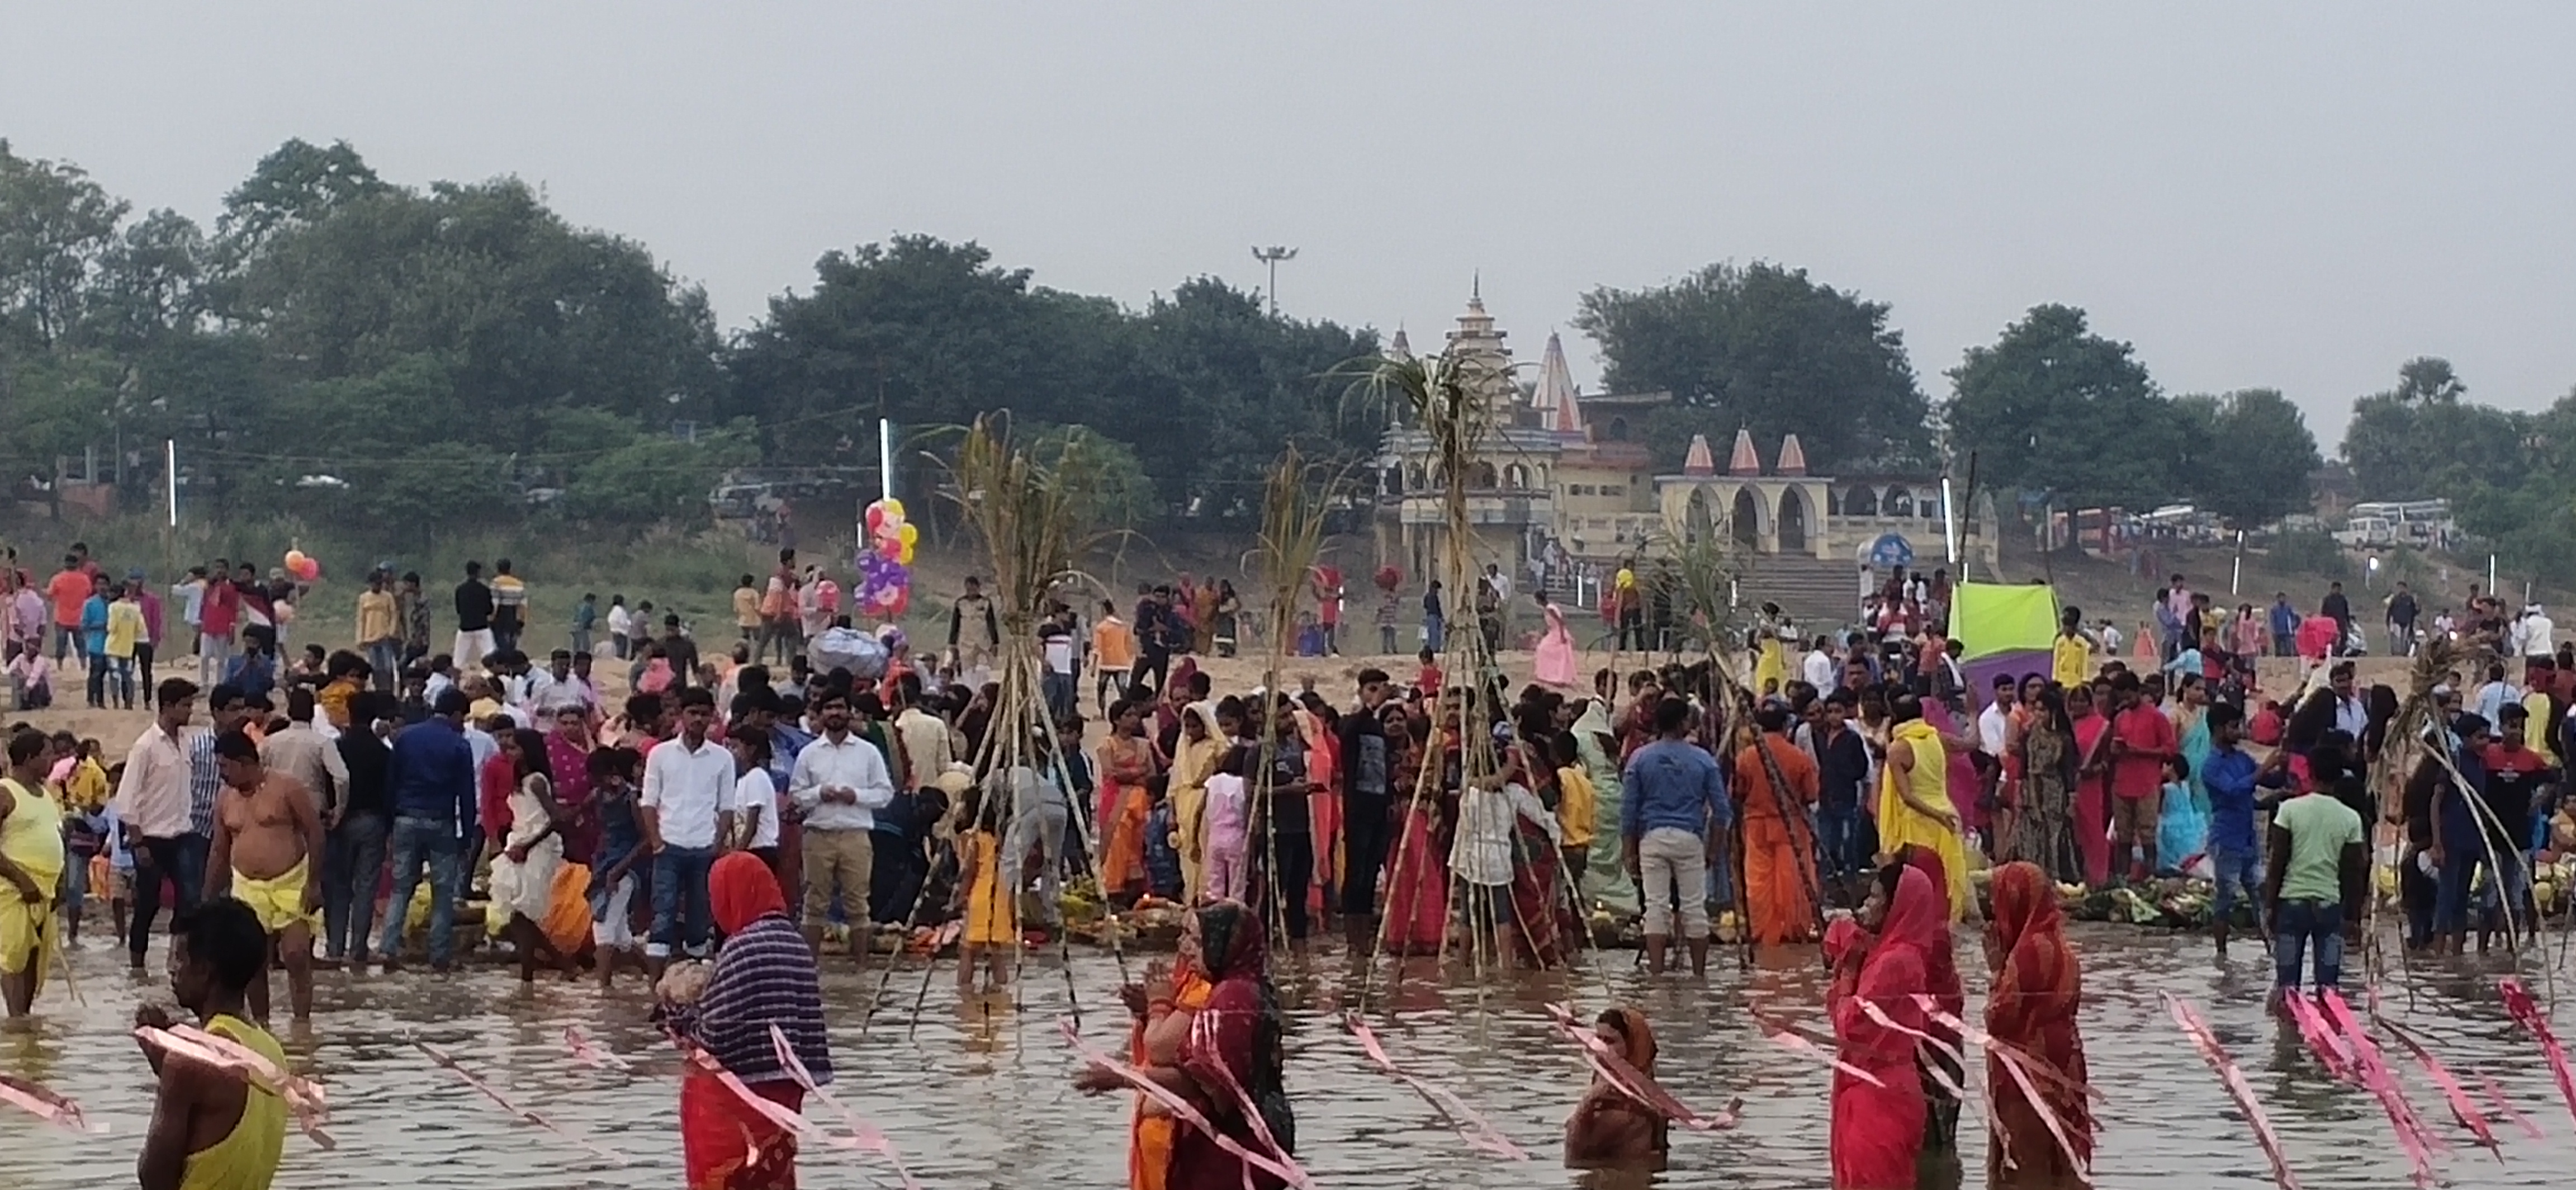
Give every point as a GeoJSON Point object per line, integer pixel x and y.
{"type": "Point", "coordinates": [303, 566]}
{"type": "Point", "coordinates": [885, 565]}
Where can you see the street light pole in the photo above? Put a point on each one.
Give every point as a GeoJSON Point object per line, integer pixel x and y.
{"type": "Point", "coordinates": [1272, 256]}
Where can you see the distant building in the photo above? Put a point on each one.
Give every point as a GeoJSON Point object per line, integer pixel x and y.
{"type": "Point", "coordinates": [1569, 479]}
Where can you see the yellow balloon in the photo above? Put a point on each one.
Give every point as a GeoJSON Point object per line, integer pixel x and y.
{"type": "Point", "coordinates": [906, 556]}
{"type": "Point", "coordinates": [893, 508]}
{"type": "Point", "coordinates": [909, 534]}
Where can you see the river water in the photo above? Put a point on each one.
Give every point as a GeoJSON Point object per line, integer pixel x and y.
{"type": "Point", "coordinates": [975, 1093]}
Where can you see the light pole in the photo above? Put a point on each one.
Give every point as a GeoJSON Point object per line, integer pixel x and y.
{"type": "Point", "coordinates": [1272, 256]}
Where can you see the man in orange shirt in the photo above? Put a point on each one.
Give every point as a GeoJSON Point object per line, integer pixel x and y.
{"type": "Point", "coordinates": [1113, 653]}
{"type": "Point", "coordinates": [1779, 846]}
{"type": "Point", "coordinates": [71, 587]}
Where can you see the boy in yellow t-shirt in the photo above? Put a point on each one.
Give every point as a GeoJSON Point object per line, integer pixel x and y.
{"type": "Point", "coordinates": [1578, 806]}
{"type": "Point", "coordinates": [2070, 660]}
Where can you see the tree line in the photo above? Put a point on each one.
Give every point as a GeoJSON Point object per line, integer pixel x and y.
{"type": "Point", "coordinates": [346, 348]}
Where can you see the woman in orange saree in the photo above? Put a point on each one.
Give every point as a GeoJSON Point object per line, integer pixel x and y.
{"type": "Point", "coordinates": [1127, 760]}
{"type": "Point", "coordinates": [2038, 986]}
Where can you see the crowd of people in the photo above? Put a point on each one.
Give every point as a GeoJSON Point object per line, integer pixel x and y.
{"type": "Point", "coordinates": [749, 793]}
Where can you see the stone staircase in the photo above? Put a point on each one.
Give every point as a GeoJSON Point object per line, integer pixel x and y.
{"type": "Point", "coordinates": [1819, 595]}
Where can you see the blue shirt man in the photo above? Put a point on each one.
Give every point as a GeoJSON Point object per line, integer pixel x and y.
{"type": "Point", "coordinates": [1676, 783]}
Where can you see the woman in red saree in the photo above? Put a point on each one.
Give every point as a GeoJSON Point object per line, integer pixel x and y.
{"type": "Point", "coordinates": [2038, 987]}
{"type": "Point", "coordinates": [2092, 809]}
{"type": "Point", "coordinates": [764, 975]}
{"type": "Point", "coordinates": [1877, 1131]}
{"type": "Point", "coordinates": [1417, 887]}
{"type": "Point", "coordinates": [1127, 760]}
{"type": "Point", "coordinates": [1941, 982]}
{"type": "Point", "coordinates": [1610, 1130]}
{"type": "Point", "coordinates": [1216, 1041]}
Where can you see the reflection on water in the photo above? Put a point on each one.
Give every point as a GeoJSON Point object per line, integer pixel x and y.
{"type": "Point", "coordinates": [975, 1092]}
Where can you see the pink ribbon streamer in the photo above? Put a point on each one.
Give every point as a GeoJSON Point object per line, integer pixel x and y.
{"type": "Point", "coordinates": [793, 1123]}
{"type": "Point", "coordinates": [2188, 1019]}
{"type": "Point", "coordinates": [1793, 1040]}
{"type": "Point", "coordinates": [303, 1097]}
{"type": "Point", "coordinates": [2518, 1004]}
{"type": "Point", "coordinates": [2320, 1039]}
{"type": "Point", "coordinates": [2505, 1108]}
{"type": "Point", "coordinates": [868, 1135]}
{"type": "Point", "coordinates": [1185, 1112]}
{"type": "Point", "coordinates": [1479, 1133]}
{"type": "Point", "coordinates": [448, 1064]}
{"type": "Point", "coordinates": [46, 1104]}
{"type": "Point", "coordinates": [2463, 1108]}
{"type": "Point", "coordinates": [2012, 1053]}
{"type": "Point", "coordinates": [587, 1053]}
{"type": "Point", "coordinates": [1203, 1033]}
{"type": "Point", "coordinates": [2382, 1085]}
{"type": "Point", "coordinates": [2017, 1065]}
{"type": "Point", "coordinates": [1613, 1067]}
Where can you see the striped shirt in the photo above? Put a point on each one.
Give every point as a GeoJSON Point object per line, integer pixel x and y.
{"type": "Point", "coordinates": [763, 976]}
{"type": "Point", "coordinates": [204, 782]}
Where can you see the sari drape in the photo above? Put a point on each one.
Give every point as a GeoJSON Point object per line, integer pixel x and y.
{"type": "Point", "coordinates": [1877, 1131]}
{"type": "Point", "coordinates": [2032, 1008]}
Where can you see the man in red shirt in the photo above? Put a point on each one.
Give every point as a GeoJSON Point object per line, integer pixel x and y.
{"type": "Point", "coordinates": [2142, 740]}
{"type": "Point", "coordinates": [218, 615]}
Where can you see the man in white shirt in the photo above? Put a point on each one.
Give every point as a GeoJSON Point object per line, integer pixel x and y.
{"type": "Point", "coordinates": [301, 752]}
{"type": "Point", "coordinates": [2534, 634]}
{"type": "Point", "coordinates": [1818, 668]}
{"type": "Point", "coordinates": [839, 783]}
{"type": "Point", "coordinates": [687, 813]}
{"type": "Point", "coordinates": [553, 690]}
{"type": "Point", "coordinates": [1993, 722]}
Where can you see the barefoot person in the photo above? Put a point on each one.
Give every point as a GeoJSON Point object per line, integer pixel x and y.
{"type": "Point", "coordinates": [211, 1129]}
{"type": "Point", "coordinates": [266, 835]}
{"type": "Point", "coordinates": [523, 877]}
{"type": "Point", "coordinates": [31, 862]}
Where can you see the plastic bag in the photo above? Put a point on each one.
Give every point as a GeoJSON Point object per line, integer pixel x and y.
{"type": "Point", "coordinates": [850, 649]}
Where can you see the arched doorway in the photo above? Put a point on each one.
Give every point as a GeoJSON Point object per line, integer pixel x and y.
{"type": "Point", "coordinates": [1793, 522]}
{"type": "Point", "coordinates": [1698, 522]}
{"type": "Point", "coordinates": [1899, 502]}
{"type": "Point", "coordinates": [1861, 501]}
{"type": "Point", "coordinates": [1747, 519]}
{"type": "Point", "coordinates": [1483, 477]}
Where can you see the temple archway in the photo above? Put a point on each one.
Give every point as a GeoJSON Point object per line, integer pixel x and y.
{"type": "Point", "coordinates": [1748, 518]}
{"type": "Point", "coordinates": [1793, 522]}
{"type": "Point", "coordinates": [1861, 501]}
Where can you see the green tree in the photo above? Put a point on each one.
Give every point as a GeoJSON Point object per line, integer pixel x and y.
{"type": "Point", "coordinates": [1764, 348]}
{"type": "Point", "coordinates": [2247, 455]}
{"type": "Point", "coordinates": [2053, 407]}
{"type": "Point", "coordinates": [56, 224]}
{"type": "Point", "coordinates": [2423, 438]}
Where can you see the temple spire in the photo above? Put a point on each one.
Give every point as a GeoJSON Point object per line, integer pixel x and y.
{"type": "Point", "coordinates": [1743, 460]}
{"type": "Point", "coordinates": [1557, 400]}
{"type": "Point", "coordinates": [1700, 460]}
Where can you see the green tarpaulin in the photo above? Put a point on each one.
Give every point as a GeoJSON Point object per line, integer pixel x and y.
{"type": "Point", "coordinates": [1992, 618]}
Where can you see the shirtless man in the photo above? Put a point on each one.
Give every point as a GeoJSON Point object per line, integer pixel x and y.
{"type": "Point", "coordinates": [267, 831]}
{"type": "Point", "coordinates": [210, 1127]}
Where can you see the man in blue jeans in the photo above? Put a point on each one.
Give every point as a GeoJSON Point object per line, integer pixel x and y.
{"type": "Point", "coordinates": [429, 777]}
{"type": "Point", "coordinates": [2459, 836]}
{"type": "Point", "coordinates": [687, 812]}
{"type": "Point", "coordinates": [2313, 888]}
{"type": "Point", "coordinates": [1842, 766]}
{"type": "Point", "coordinates": [2229, 775]}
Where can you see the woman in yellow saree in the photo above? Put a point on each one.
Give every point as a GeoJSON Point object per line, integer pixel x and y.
{"type": "Point", "coordinates": [1914, 798]}
{"type": "Point", "coordinates": [1202, 748]}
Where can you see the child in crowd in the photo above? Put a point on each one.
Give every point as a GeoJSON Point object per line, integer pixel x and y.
{"type": "Point", "coordinates": [1428, 679]}
{"type": "Point", "coordinates": [1577, 804]}
{"type": "Point", "coordinates": [992, 928]}
{"type": "Point", "coordinates": [1226, 821]}
{"type": "Point", "coordinates": [1162, 840]}
{"type": "Point", "coordinates": [614, 880]}
{"type": "Point", "coordinates": [2182, 834]}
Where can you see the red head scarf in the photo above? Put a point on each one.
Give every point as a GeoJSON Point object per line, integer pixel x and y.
{"type": "Point", "coordinates": [1918, 916]}
{"type": "Point", "coordinates": [1940, 964]}
{"type": "Point", "coordinates": [1639, 1046]}
{"type": "Point", "coordinates": [740, 891]}
{"type": "Point", "coordinates": [2025, 905]}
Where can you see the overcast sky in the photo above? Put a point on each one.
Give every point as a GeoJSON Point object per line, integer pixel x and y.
{"type": "Point", "coordinates": [2297, 196]}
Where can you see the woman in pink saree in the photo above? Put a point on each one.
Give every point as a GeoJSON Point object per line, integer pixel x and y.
{"type": "Point", "coordinates": [2092, 809]}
